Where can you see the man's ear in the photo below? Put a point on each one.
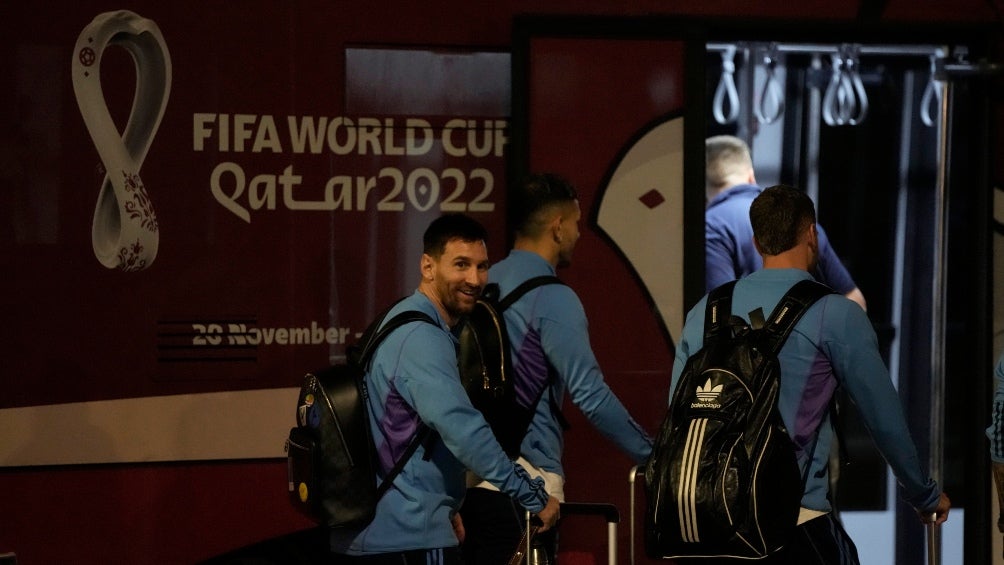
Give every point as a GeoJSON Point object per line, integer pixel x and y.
{"type": "Point", "coordinates": [555, 228]}
{"type": "Point", "coordinates": [752, 177]}
{"type": "Point", "coordinates": [813, 233]}
{"type": "Point", "coordinates": [426, 266]}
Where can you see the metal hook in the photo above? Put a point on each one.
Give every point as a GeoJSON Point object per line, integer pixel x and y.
{"type": "Point", "coordinates": [727, 87]}
{"type": "Point", "coordinates": [931, 92]}
{"type": "Point", "coordinates": [772, 96]}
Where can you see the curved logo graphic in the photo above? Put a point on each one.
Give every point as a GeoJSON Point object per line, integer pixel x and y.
{"type": "Point", "coordinates": [124, 232]}
{"type": "Point", "coordinates": [642, 212]}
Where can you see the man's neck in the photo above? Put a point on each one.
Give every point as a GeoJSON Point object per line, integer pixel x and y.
{"type": "Point", "coordinates": [712, 193]}
{"type": "Point", "coordinates": [426, 289]}
{"type": "Point", "coordinates": [794, 258]}
{"type": "Point", "coordinates": [546, 249]}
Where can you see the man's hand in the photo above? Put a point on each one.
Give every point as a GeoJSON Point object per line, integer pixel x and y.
{"type": "Point", "coordinates": [458, 527]}
{"type": "Point", "coordinates": [940, 513]}
{"type": "Point", "coordinates": [550, 514]}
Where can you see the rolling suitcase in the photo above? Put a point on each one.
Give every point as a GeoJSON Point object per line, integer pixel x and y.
{"type": "Point", "coordinates": [607, 511]}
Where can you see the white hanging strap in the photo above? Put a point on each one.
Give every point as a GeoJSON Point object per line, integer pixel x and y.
{"type": "Point", "coordinates": [932, 93]}
{"type": "Point", "coordinates": [845, 101]}
{"type": "Point", "coordinates": [852, 69]}
{"type": "Point", "coordinates": [727, 88]}
{"type": "Point", "coordinates": [771, 105]}
{"type": "Point", "coordinates": [832, 99]}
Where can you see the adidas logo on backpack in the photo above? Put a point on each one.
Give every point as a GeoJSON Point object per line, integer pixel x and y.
{"type": "Point", "coordinates": [723, 479]}
{"type": "Point", "coordinates": [707, 396]}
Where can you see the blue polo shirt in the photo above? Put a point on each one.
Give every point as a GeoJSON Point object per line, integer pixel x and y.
{"type": "Point", "coordinates": [729, 250]}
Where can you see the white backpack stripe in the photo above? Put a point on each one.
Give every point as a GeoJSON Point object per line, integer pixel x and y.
{"type": "Point", "coordinates": [686, 497]}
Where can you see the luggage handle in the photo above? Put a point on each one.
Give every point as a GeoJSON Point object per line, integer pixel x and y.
{"type": "Point", "coordinates": [522, 553]}
{"type": "Point", "coordinates": [933, 541]}
{"type": "Point", "coordinates": [633, 474]}
{"type": "Point", "coordinates": [607, 510]}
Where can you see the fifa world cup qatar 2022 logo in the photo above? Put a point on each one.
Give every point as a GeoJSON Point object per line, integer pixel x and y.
{"type": "Point", "coordinates": [124, 231]}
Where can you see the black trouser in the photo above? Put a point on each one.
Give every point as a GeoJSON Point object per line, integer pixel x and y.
{"type": "Point", "coordinates": [493, 525]}
{"type": "Point", "coordinates": [820, 541]}
{"type": "Point", "coordinates": [444, 556]}
{"type": "Point", "coordinates": [312, 547]}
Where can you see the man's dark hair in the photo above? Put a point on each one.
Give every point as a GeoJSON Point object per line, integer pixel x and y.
{"type": "Point", "coordinates": [778, 215]}
{"type": "Point", "coordinates": [448, 227]}
{"type": "Point", "coordinates": [537, 193]}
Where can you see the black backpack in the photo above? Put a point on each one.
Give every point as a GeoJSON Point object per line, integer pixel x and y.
{"type": "Point", "coordinates": [723, 478]}
{"type": "Point", "coordinates": [484, 359]}
{"type": "Point", "coordinates": [331, 456]}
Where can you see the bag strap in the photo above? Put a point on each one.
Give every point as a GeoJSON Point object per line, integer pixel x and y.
{"type": "Point", "coordinates": [370, 339]}
{"type": "Point", "coordinates": [718, 310]}
{"type": "Point", "coordinates": [421, 435]}
{"type": "Point", "coordinates": [509, 300]}
{"type": "Point", "coordinates": [790, 309]}
{"type": "Point", "coordinates": [801, 296]}
{"type": "Point", "coordinates": [527, 286]}
{"type": "Point", "coordinates": [782, 320]}
{"type": "Point", "coordinates": [552, 403]}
